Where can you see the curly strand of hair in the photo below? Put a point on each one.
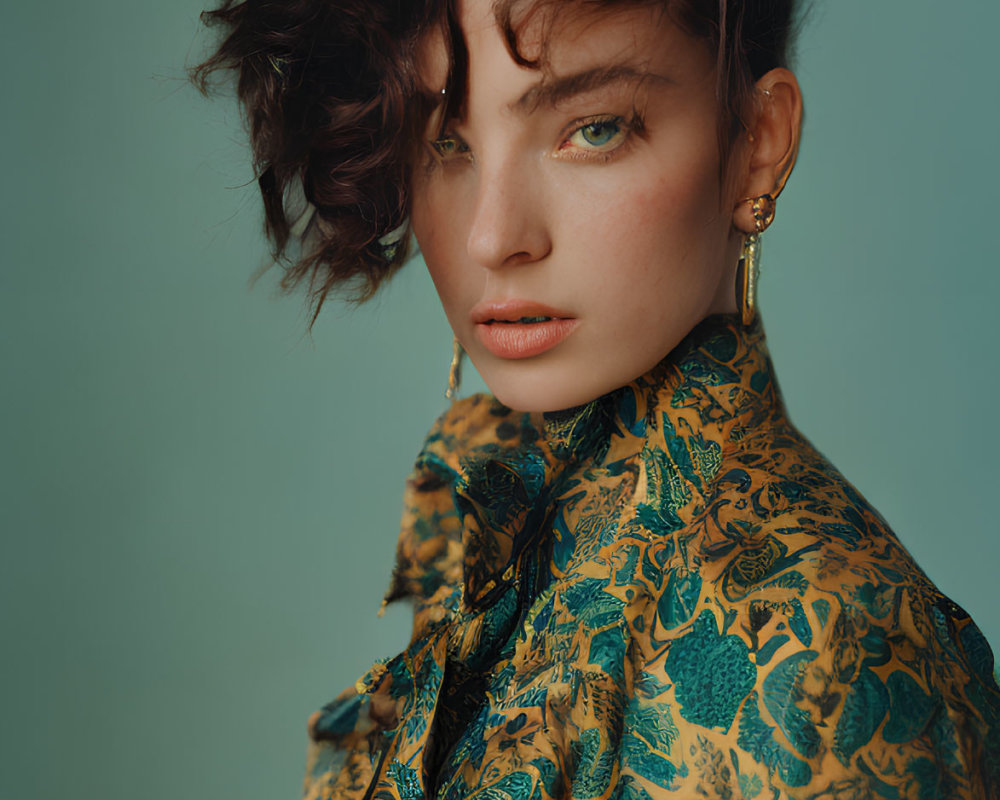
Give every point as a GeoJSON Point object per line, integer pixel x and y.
{"type": "Point", "coordinates": [327, 90]}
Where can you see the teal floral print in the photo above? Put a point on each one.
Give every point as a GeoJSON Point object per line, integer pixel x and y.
{"type": "Point", "coordinates": [664, 593]}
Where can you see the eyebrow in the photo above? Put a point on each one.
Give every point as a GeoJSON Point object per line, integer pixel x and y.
{"type": "Point", "coordinates": [566, 86]}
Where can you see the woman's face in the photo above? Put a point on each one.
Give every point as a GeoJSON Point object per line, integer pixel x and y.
{"type": "Point", "coordinates": [574, 221]}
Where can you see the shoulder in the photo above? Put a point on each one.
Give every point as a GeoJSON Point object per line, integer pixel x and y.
{"type": "Point", "coordinates": [864, 669]}
{"type": "Point", "coordinates": [780, 508]}
{"type": "Point", "coordinates": [806, 562]}
{"type": "Point", "coordinates": [830, 683]}
{"type": "Point", "coordinates": [866, 683]}
{"type": "Point", "coordinates": [799, 625]}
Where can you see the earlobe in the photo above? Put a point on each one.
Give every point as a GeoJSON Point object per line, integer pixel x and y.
{"type": "Point", "coordinates": [773, 141]}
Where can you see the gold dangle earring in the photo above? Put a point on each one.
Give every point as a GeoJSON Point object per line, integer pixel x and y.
{"type": "Point", "coordinates": [748, 271]}
{"type": "Point", "coordinates": [455, 372]}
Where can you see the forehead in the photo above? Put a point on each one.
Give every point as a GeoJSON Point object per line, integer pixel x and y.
{"type": "Point", "coordinates": [564, 38]}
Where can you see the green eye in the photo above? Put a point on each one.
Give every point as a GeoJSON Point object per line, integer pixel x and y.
{"type": "Point", "coordinates": [600, 133]}
{"type": "Point", "coordinates": [448, 147]}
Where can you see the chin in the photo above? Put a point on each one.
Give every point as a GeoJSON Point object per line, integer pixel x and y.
{"type": "Point", "coordinates": [544, 394]}
{"type": "Point", "coordinates": [533, 403]}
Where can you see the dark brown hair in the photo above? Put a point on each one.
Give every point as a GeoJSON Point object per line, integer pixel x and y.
{"type": "Point", "coordinates": [334, 105]}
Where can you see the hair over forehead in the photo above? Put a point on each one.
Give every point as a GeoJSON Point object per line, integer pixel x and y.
{"type": "Point", "coordinates": [765, 26]}
{"type": "Point", "coordinates": [749, 38]}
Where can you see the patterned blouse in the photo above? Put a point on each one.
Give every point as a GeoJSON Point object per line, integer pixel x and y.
{"type": "Point", "coordinates": [665, 592]}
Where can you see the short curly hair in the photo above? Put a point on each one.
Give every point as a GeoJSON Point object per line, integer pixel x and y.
{"type": "Point", "coordinates": [333, 101]}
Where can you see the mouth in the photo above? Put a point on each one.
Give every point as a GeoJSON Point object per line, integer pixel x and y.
{"type": "Point", "coordinates": [521, 320]}
{"type": "Point", "coordinates": [516, 312]}
{"type": "Point", "coordinates": [519, 330]}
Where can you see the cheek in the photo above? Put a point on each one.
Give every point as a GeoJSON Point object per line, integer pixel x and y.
{"type": "Point", "coordinates": [654, 224]}
{"type": "Point", "coordinates": [425, 212]}
{"type": "Point", "coordinates": [429, 220]}
{"type": "Point", "coordinates": [652, 251]}
{"type": "Point", "coordinates": [438, 225]}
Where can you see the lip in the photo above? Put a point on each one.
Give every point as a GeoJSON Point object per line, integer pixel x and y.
{"type": "Point", "coordinates": [498, 328]}
{"type": "Point", "coordinates": [513, 310]}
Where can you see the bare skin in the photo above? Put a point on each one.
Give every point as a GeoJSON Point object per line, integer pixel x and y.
{"type": "Point", "coordinates": [589, 192]}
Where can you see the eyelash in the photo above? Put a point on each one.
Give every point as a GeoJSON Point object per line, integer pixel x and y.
{"type": "Point", "coordinates": [626, 129]}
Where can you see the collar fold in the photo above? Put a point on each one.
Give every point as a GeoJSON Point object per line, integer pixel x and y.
{"type": "Point", "coordinates": [506, 471]}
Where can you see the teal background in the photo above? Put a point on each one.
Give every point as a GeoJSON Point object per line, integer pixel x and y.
{"type": "Point", "coordinates": [200, 500]}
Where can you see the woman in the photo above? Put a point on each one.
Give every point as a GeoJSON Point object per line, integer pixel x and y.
{"type": "Point", "coordinates": [632, 577]}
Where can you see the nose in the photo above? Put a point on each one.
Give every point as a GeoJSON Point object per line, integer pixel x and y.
{"type": "Point", "coordinates": [508, 221]}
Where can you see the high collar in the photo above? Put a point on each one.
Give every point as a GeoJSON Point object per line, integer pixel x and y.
{"type": "Point", "coordinates": [507, 471]}
{"type": "Point", "coordinates": [716, 385]}
{"type": "Point", "coordinates": [502, 503]}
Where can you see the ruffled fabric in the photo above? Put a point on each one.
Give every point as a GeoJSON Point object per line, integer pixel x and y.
{"type": "Point", "coordinates": [666, 591]}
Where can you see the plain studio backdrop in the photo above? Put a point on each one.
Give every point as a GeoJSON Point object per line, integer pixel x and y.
{"type": "Point", "coordinates": [200, 501]}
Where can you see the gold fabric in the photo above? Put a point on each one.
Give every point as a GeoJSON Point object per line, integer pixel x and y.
{"type": "Point", "coordinates": [665, 593]}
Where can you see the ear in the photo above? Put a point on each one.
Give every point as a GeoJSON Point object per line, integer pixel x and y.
{"type": "Point", "coordinates": [773, 141]}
